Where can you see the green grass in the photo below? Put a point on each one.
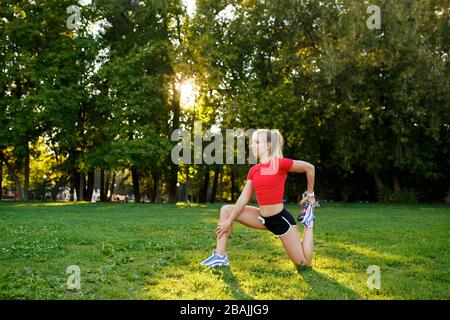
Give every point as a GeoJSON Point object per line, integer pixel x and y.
{"type": "Point", "coordinates": [150, 251]}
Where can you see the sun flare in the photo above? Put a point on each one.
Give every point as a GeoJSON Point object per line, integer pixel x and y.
{"type": "Point", "coordinates": [187, 94]}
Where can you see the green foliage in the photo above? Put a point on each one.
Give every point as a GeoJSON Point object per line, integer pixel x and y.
{"type": "Point", "coordinates": [345, 97]}
{"type": "Point", "coordinates": [386, 195]}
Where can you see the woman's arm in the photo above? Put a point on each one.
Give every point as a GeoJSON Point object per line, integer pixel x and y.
{"type": "Point", "coordinates": [303, 166]}
{"type": "Point", "coordinates": [244, 198]}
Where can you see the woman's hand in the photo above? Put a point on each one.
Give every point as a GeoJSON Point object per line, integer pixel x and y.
{"type": "Point", "coordinates": [222, 228]}
{"type": "Point", "coordinates": [312, 200]}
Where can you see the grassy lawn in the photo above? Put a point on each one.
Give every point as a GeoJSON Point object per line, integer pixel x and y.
{"type": "Point", "coordinates": [151, 251]}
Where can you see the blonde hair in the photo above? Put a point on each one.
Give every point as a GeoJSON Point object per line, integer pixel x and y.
{"type": "Point", "coordinates": [275, 139]}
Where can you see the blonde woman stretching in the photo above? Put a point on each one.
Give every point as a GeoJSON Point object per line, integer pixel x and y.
{"type": "Point", "coordinates": [267, 179]}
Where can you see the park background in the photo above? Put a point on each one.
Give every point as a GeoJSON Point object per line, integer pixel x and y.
{"type": "Point", "coordinates": [90, 98]}
{"type": "Point", "coordinates": [92, 106]}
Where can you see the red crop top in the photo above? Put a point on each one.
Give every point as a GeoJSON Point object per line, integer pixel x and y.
{"type": "Point", "coordinates": [268, 180]}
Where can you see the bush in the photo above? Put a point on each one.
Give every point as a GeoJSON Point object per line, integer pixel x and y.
{"type": "Point", "coordinates": [386, 195]}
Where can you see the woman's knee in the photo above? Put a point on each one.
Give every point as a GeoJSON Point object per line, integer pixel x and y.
{"type": "Point", "coordinates": [301, 262]}
{"type": "Point", "coordinates": [225, 211]}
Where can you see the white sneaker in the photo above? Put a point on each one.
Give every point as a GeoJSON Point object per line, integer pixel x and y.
{"type": "Point", "coordinates": [306, 215]}
{"type": "Point", "coordinates": [216, 260]}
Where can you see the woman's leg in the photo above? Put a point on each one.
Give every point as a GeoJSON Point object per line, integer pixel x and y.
{"type": "Point", "coordinates": [294, 248]}
{"type": "Point", "coordinates": [248, 217]}
{"type": "Point", "coordinates": [308, 244]}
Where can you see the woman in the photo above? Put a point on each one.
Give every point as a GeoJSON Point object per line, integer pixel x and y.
{"type": "Point", "coordinates": [267, 179]}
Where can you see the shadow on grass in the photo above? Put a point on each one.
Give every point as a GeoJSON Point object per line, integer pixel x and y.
{"type": "Point", "coordinates": [229, 278]}
{"type": "Point", "coordinates": [324, 288]}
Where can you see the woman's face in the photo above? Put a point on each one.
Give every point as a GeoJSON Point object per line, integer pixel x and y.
{"type": "Point", "coordinates": [258, 146]}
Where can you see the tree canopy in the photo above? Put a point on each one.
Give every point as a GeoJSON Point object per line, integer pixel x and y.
{"type": "Point", "coordinates": [92, 91]}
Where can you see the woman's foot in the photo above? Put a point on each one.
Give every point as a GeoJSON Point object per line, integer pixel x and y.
{"type": "Point", "coordinates": [306, 215]}
{"type": "Point", "coordinates": [216, 260]}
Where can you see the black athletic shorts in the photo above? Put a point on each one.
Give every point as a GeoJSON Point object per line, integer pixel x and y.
{"type": "Point", "coordinates": [280, 223]}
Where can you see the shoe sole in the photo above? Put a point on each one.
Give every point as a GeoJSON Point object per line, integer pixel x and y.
{"type": "Point", "coordinates": [217, 264]}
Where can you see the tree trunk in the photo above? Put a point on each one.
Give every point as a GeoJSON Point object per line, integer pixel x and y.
{"type": "Point", "coordinates": [77, 183]}
{"type": "Point", "coordinates": [90, 185]}
{"type": "Point", "coordinates": [204, 192]}
{"type": "Point", "coordinates": [378, 181]}
{"type": "Point", "coordinates": [158, 191]}
{"type": "Point", "coordinates": [102, 186]}
{"type": "Point", "coordinates": [55, 190]}
{"type": "Point", "coordinates": [232, 185]}
{"type": "Point", "coordinates": [136, 187]}
{"type": "Point", "coordinates": [26, 174]}
{"type": "Point", "coordinates": [113, 181]}
{"type": "Point", "coordinates": [148, 189]}
{"type": "Point", "coordinates": [220, 186]}
{"type": "Point", "coordinates": [82, 186]}
{"type": "Point", "coordinates": [173, 170]}
{"type": "Point", "coordinates": [172, 183]}
{"type": "Point", "coordinates": [16, 182]}
{"type": "Point", "coordinates": [18, 187]}
{"type": "Point", "coordinates": [72, 190]}
{"type": "Point", "coordinates": [212, 198]}
{"type": "Point", "coordinates": [155, 189]}
{"type": "Point", "coordinates": [396, 181]}
{"type": "Point", "coordinates": [15, 179]}
{"type": "Point", "coordinates": [13, 175]}
{"type": "Point", "coordinates": [107, 186]}
{"type": "Point", "coordinates": [54, 193]}
{"type": "Point", "coordinates": [188, 182]}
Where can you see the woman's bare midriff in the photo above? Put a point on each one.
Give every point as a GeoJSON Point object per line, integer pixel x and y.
{"type": "Point", "coordinates": [271, 209]}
